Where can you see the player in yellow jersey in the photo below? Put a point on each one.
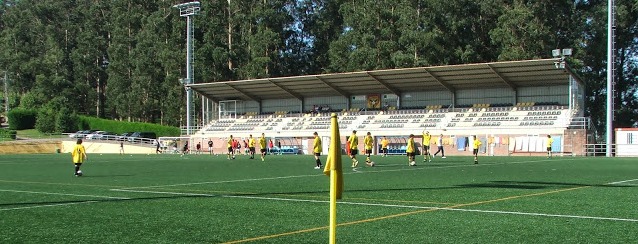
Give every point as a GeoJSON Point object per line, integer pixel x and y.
{"type": "Point", "coordinates": [251, 146]}
{"type": "Point", "coordinates": [410, 150]}
{"type": "Point", "coordinates": [79, 156]}
{"type": "Point", "coordinates": [426, 146]}
{"type": "Point", "coordinates": [367, 144]}
{"type": "Point", "coordinates": [317, 150]}
{"type": "Point", "coordinates": [353, 140]}
{"type": "Point", "coordinates": [384, 146]}
{"type": "Point", "coordinates": [550, 140]}
{"type": "Point", "coordinates": [231, 151]}
{"type": "Point", "coordinates": [262, 146]}
{"type": "Point", "coordinates": [475, 148]}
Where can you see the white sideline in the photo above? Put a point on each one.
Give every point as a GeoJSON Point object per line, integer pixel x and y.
{"type": "Point", "coordinates": [390, 205]}
{"type": "Point", "coordinates": [47, 205]}
{"type": "Point", "coordinates": [620, 182]}
{"type": "Point", "coordinates": [65, 194]}
{"type": "Point", "coordinates": [58, 204]}
{"type": "Point", "coordinates": [224, 181]}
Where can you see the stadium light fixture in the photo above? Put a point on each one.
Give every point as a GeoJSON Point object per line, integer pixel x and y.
{"type": "Point", "coordinates": [562, 53]}
{"type": "Point", "coordinates": [556, 53]}
{"type": "Point", "coordinates": [567, 52]}
{"type": "Point", "coordinates": [189, 8]}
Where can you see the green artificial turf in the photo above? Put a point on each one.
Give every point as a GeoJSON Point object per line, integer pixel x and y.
{"type": "Point", "coordinates": [209, 199]}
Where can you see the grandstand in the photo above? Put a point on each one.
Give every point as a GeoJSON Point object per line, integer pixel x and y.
{"type": "Point", "coordinates": [511, 106]}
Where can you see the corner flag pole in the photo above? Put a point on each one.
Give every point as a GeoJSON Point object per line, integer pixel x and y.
{"type": "Point", "coordinates": [333, 169]}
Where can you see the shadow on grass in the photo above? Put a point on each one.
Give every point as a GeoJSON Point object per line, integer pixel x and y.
{"type": "Point", "coordinates": [44, 203]}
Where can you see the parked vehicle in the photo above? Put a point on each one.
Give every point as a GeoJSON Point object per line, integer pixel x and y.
{"type": "Point", "coordinates": [81, 133]}
{"type": "Point", "coordinates": [142, 136]}
{"type": "Point", "coordinates": [124, 136]}
{"type": "Point", "coordinates": [105, 136]}
{"type": "Point", "coordinates": [94, 135]}
{"type": "Point", "coordinates": [76, 134]}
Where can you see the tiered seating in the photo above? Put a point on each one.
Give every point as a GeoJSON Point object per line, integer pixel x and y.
{"type": "Point", "coordinates": [483, 118]}
{"type": "Point", "coordinates": [281, 113]}
{"type": "Point", "coordinates": [319, 123]}
{"type": "Point", "coordinates": [220, 125]}
{"type": "Point", "coordinates": [526, 104]}
{"type": "Point", "coordinates": [481, 105]}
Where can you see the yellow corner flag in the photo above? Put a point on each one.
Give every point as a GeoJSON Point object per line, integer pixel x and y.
{"type": "Point", "coordinates": [333, 163]}
{"type": "Point", "coordinates": [333, 169]}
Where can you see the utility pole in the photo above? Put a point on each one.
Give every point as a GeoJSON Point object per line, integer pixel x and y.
{"type": "Point", "coordinates": [188, 10]}
{"type": "Point", "coordinates": [6, 92]}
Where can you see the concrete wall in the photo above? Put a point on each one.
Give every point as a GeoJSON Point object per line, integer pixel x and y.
{"type": "Point", "coordinates": [104, 147]}
{"type": "Point", "coordinates": [29, 147]}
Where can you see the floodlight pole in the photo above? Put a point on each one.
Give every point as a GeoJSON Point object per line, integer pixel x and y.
{"type": "Point", "coordinates": [188, 10]}
{"type": "Point", "coordinates": [610, 76]}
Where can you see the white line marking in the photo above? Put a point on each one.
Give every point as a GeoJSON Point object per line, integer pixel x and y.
{"type": "Point", "coordinates": [47, 205]}
{"type": "Point", "coordinates": [65, 194]}
{"type": "Point", "coordinates": [345, 173]}
{"type": "Point", "coordinates": [167, 192]}
{"type": "Point", "coordinates": [224, 181]}
{"type": "Point", "coordinates": [390, 205]}
{"type": "Point", "coordinates": [543, 215]}
{"type": "Point", "coordinates": [619, 182]}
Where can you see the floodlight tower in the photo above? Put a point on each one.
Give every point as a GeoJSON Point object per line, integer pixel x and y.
{"type": "Point", "coordinates": [188, 10]}
{"type": "Point", "coordinates": [611, 69]}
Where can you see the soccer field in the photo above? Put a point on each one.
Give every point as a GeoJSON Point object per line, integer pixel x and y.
{"type": "Point", "coordinates": [209, 199]}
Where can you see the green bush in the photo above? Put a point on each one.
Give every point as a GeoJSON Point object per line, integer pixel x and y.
{"type": "Point", "coordinates": [46, 121]}
{"type": "Point", "coordinates": [123, 126]}
{"type": "Point", "coordinates": [22, 119]}
{"type": "Point", "coordinates": [11, 134]}
{"type": "Point", "coordinates": [65, 121]}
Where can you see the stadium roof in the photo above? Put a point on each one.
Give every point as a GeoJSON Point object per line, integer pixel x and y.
{"type": "Point", "coordinates": [512, 74]}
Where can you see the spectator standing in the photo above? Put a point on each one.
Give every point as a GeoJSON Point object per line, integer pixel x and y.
{"type": "Point", "coordinates": [270, 146]}
{"type": "Point", "coordinates": [210, 146]}
{"type": "Point", "coordinates": [550, 140]}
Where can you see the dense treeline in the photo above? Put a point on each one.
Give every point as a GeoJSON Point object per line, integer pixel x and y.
{"type": "Point", "coordinates": [122, 59]}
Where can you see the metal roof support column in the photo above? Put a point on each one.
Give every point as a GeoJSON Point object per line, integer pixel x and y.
{"type": "Point", "coordinates": [453, 99]}
{"type": "Point", "coordinates": [444, 84]}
